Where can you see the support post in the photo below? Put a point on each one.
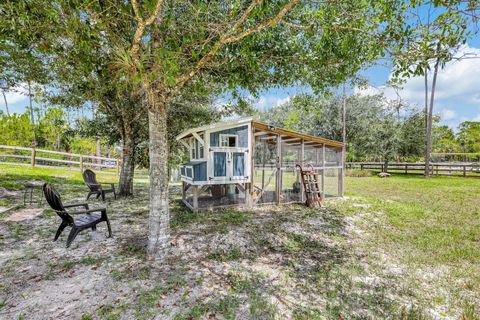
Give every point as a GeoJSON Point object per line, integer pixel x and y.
{"type": "Point", "coordinates": [118, 167]}
{"type": "Point", "coordinates": [248, 195]}
{"type": "Point", "coordinates": [278, 187]}
{"type": "Point", "coordinates": [34, 155]}
{"type": "Point", "coordinates": [195, 198]}
{"type": "Point", "coordinates": [81, 164]}
{"type": "Point", "coordinates": [302, 158]}
{"type": "Point", "coordinates": [184, 196]}
{"type": "Point", "coordinates": [250, 186]}
{"type": "Point", "coordinates": [323, 170]}
{"type": "Point", "coordinates": [341, 173]}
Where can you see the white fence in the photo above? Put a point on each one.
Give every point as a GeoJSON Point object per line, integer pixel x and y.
{"type": "Point", "coordinates": [13, 155]}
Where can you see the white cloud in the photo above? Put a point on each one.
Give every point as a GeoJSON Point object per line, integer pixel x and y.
{"type": "Point", "coordinates": [459, 79]}
{"type": "Point", "coordinates": [16, 95]}
{"type": "Point", "coordinates": [447, 114]}
{"type": "Point", "coordinates": [267, 102]}
{"type": "Point", "coordinates": [458, 87]}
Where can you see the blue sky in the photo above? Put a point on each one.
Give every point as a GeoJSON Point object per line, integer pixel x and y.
{"type": "Point", "coordinates": [457, 99]}
{"type": "Point", "coordinates": [457, 95]}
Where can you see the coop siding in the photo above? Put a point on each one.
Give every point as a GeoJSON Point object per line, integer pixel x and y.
{"type": "Point", "coordinates": [241, 132]}
{"type": "Point", "coordinates": [200, 172]}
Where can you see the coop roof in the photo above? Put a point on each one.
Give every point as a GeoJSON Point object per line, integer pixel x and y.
{"type": "Point", "coordinates": [263, 129]}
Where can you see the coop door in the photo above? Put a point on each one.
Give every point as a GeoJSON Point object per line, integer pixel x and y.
{"type": "Point", "coordinates": [229, 166]}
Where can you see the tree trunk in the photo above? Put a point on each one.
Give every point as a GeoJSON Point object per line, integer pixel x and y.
{"type": "Point", "coordinates": [344, 124]}
{"type": "Point", "coordinates": [426, 100]}
{"type": "Point", "coordinates": [34, 142]}
{"type": "Point", "coordinates": [159, 219]}
{"type": "Point", "coordinates": [6, 102]}
{"type": "Point", "coordinates": [98, 150]}
{"type": "Point", "coordinates": [430, 120]}
{"type": "Point", "coordinates": [128, 164]}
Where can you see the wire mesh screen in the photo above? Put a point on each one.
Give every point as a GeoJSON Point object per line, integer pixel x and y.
{"type": "Point", "coordinates": [291, 186]}
{"type": "Point", "coordinates": [331, 182]}
{"type": "Point", "coordinates": [333, 157]}
{"type": "Point", "coordinates": [265, 163]}
{"type": "Point", "coordinates": [219, 195]}
{"type": "Point", "coordinates": [313, 155]}
{"type": "Point", "coordinates": [290, 154]}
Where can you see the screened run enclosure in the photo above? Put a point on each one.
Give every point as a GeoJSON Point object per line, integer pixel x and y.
{"type": "Point", "coordinates": [246, 163]}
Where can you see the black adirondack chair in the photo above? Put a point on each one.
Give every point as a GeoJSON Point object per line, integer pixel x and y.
{"type": "Point", "coordinates": [96, 188]}
{"type": "Point", "coordinates": [87, 220]}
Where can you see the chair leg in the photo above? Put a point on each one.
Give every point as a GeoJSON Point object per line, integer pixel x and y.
{"type": "Point", "coordinates": [94, 228]}
{"type": "Point", "coordinates": [59, 231]}
{"type": "Point", "coordinates": [99, 194]}
{"type": "Point", "coordinates": [103, 196]}
{"type": "Point", "coordinates": [72, 235]}
{"type": "Point", "coordinates": [88, 195]}
{"type": "Point", "coordinates": [109, 228]}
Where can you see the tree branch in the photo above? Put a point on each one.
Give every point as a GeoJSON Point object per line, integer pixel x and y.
{"type": "Point", "coordinates": [228, 37]}
{"type": "Point", "coordinates": [142, 24]}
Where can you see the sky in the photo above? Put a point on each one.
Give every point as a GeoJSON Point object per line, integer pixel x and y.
{"type": "Point", "coordinates": [457, 92]}
{"type": "Point", "coordinates": [457, 96]}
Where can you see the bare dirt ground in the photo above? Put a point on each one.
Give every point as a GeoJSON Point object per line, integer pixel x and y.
{"type": "Point", "coordinates": [277, 262]}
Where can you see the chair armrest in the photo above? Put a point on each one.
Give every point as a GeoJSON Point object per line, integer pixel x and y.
{"type": "Point", "coordinates": [85, 205]}
{"type": "Point", "coordinates": [91, 210]}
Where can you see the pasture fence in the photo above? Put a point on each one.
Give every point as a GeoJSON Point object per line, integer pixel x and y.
{"type": "Point", "coordinates": [13, 155]}
{"type": "Point", "coordinates": [436, 168]}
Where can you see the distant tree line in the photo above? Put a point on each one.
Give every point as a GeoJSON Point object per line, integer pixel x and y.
{"type": "Point", "coordinates": [52, 130]}
{"type": "Point", "coordinates": [377, 129]}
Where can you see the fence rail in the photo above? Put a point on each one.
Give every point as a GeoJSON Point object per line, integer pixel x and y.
{"type": "Point", "coordinates": [14, 155]}
{"type": "Point", "coordinates": [445, 168]}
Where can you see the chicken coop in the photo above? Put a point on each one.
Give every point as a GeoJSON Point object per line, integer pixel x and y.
{"type": "Point", "coordinates": [247, 163]}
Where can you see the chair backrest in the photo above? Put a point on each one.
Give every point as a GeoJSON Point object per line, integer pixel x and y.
{"type": "Point", "coordinates": [54, 200]}
{"type": "Point", "coordinates": [91, 180]}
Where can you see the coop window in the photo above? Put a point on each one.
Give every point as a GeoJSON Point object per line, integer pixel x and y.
{"type": "Point", "coordinates": [228, 140]}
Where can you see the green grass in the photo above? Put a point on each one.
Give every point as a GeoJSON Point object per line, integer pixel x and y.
{"type": "Point", "coordinates": [430, 228]}
{"type": "Point", "coordinates": [14, 177]}
{"type": "Point", "coordinates": [434, 221]}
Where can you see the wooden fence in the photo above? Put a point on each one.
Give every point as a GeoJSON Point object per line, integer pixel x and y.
{"type": "Point", "coordinates": [47, 158]}
{"type": "Point", "coordinates": [446, 168]}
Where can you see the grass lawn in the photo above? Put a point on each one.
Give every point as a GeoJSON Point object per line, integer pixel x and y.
{"type": "Point", "coordinates": [399, 248]}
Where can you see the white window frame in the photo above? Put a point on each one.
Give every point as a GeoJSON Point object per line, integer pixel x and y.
{"type": "Point", "coordinates": [227, 136]}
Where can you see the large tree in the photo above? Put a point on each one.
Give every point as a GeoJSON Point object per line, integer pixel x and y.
{"type": "Point", "coordinates": [164, 48]}
{"type": "Point", "coordinates": [429, 41]}
{"type": "Point", "coordinates": [177, 45]}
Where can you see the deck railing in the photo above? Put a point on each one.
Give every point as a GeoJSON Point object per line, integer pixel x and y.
{"type": "Point", "coordinates": [437, 168]}
{"type": "Point", "coordinates": [34, 157]}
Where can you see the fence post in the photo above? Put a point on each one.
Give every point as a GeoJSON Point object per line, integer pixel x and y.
{"type": "Point", "coordinates": [464, 171]}
{"type": "Point", "coordinates": [118, 166]}
{"type": "Point", "coordinates": [406, 168]}
{"type": "Point", "coordinates": [81, 164]}
{"type": "Point", "coordinates": [34, 155]}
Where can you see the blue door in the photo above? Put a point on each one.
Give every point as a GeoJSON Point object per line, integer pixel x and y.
{"type": "Point", "coordinates": [238, 164]}
{"type": "Point", "coordinates": [219, 164]}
